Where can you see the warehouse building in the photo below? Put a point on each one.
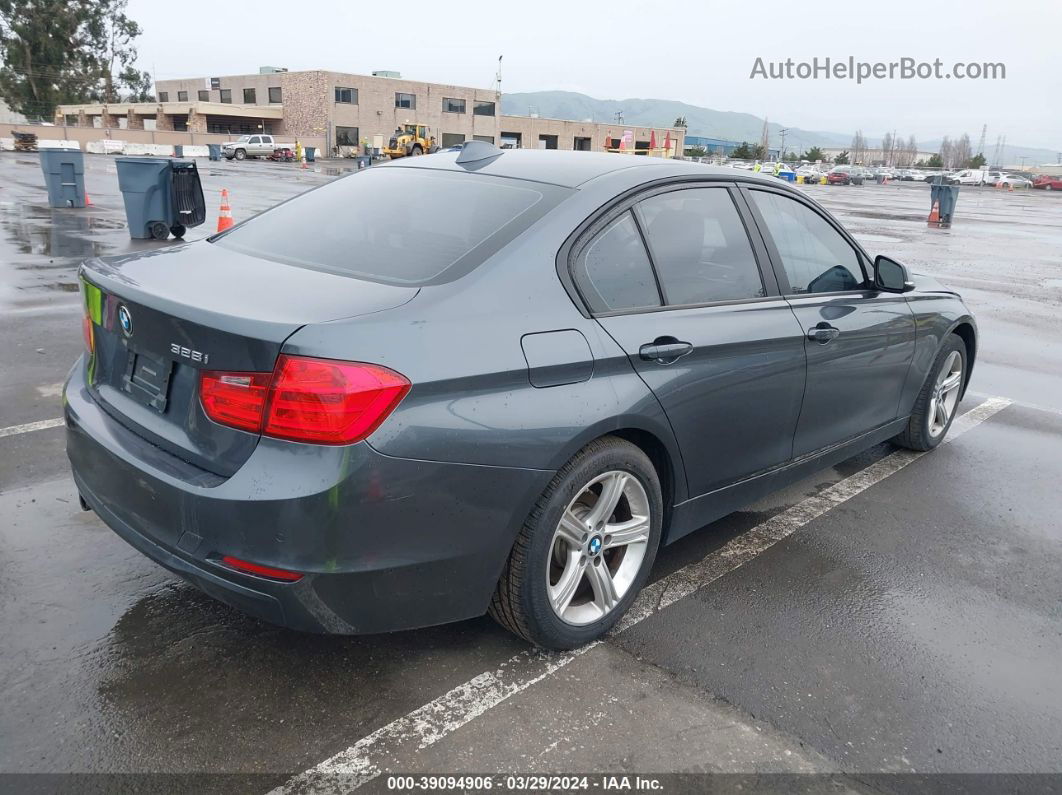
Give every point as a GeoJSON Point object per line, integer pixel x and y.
{"type": "Point", "coordinates": [338, 112]}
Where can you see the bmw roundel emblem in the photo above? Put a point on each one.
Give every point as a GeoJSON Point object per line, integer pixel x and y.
{"type": "Point", "coordinates": [595, 545]}
{"type": "Point", "coordinates": [125, 320]}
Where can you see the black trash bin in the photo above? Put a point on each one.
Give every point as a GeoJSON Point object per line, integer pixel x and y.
{"type": "Point", "coordinates": [161, 196]}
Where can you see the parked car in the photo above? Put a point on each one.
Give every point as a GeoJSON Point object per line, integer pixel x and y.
{"type": "Point", "coordinates": [1048, 182]}
{"type": "Point", "coordinates": [971, 176]}
{"type": "Point", "coordinates": [845, 175]}
{"type": "Point", "coordinates": [252, 146]}
{"type": "Point", "coordinates": [811, 174]}
{"type": "Point", "coordinates": [344, 417]}
{"type": "Point", "coordinates": [839, 175]}
{"type": "Point", "coordinates": [940, 177]}
{"type": "Point", "coordinates": [1007, 180]}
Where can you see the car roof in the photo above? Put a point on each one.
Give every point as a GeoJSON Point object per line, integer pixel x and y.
{"type": "Point", "coordinates": [570, 169]}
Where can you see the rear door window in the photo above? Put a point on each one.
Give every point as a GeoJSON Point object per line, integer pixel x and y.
{"type": "Point", "coordinates": [700, 247]}
{"type": "Point", "coordinates": [613, 272]}
{"type": "Point", "coordinates": [396, 224]}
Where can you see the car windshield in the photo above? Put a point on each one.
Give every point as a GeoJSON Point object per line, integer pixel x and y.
{"type": "Point", "coordinates": [366, 226]}
{"type": "Point", "coordinates": [243, 139]}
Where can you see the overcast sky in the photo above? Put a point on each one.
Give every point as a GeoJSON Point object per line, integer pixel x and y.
{"type": "Point", "coordinates": [663, 50]}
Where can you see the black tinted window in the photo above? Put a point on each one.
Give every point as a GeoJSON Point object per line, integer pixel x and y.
{"type": "Point", "coordinates": [700, 248]}
{"type": "Point", "coordinates": [815, 256]}
{"type": "Point", "coordinates": [613, 270]}
{"type": "Point", "coordinates": [370, 224]}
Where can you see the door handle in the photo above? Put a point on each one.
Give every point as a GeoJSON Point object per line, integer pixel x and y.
{"type": "Point", "coordinates": [823, 333]}
{"type": "Point", "coordinates": [665, 350]}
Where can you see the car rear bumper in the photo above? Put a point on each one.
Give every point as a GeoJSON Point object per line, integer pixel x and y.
{"type": "Point", "coordinates": [383, 543]}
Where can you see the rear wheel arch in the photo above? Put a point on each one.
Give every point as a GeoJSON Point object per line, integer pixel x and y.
{"type": "Point", "coordinates": [660, 456]}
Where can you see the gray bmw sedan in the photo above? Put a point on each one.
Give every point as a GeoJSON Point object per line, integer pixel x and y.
{"type": "Point", "coordinates": [490, 380]}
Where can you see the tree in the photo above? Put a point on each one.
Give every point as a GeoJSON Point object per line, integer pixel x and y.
{"type": "Point", "coordinates": [859, 147]}
{"type": "Point", "coordinates": [842, 159]}
{"type": "Point", "coordinates": [947, 152]}
{"type": "Point", "coordinates": [697, 151]}
{"type": "Point", "coordinates": [680, 122]}
{"type": "Point", "coordinates": [813, 155]}
{"type": "Point", "coordinates": [116, 32]}
{"type": "Point", "coordinates": [758, 152]}
{"type": "Point", "coordinates": [935, 161]}
{"type": "Point", "coordinates": [65, 51]}
{"type": "Point", "coordinates": [742, 152]}
{"type": "Point", "coordinates": [963, 150]}
{"type": "Point", "coordinates": [977, 161]}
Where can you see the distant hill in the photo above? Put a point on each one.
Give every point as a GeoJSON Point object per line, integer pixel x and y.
{"type": "Point", "coordinates": [707, 122]}
{"type": "Point", "coordinates": [660, 113]}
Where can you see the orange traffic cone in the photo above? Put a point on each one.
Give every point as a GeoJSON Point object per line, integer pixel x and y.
{"type": "Point", "coordinates": [224, 212]}
{"type": "Point", "coordinates": [88, 201]}
{"type": "Point", "coordinates": [934, 214]}
{"type": "Point", "coordinates": [1010, 187]}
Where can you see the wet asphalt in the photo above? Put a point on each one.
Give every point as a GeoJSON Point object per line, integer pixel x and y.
{"type": "Point", "coordinates": [916, 627]}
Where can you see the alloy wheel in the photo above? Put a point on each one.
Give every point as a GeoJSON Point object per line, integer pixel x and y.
{"type": "Point", "coordinates": [945, 394]}
{"type": "Point", "coordinates": [598, 547]}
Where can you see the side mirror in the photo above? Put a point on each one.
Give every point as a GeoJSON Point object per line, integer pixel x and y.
{"type": "Point", "coordinates": [890, 276]}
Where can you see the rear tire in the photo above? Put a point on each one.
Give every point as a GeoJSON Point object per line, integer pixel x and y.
{"type": "Point", "coordinates": [941, 391]}
{"type": "Point", "coordinates": [566, 583]}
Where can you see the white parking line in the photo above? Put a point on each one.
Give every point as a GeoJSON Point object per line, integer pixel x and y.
{"type": "Point", "coordinates": [14, 430]}
{"type": "Point", "coordinates": [387, 747]}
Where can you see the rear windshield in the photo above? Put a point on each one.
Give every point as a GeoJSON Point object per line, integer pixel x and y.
{"type": "Point", "coordinates": [397, 225]}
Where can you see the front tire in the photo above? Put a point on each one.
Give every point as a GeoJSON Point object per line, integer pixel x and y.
{"type": "Point", "coordinates": [936, 405]}
{"type": "Point", "coordinates": [586, 549]}
{"type": "Point", "coordinates": [240, 154]}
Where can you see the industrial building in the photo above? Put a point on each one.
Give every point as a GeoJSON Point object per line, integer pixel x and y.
{"type": "Point", "coordinates": [338, 112]}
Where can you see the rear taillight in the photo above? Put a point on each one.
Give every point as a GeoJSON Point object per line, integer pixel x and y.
{"type": "Point", "coordinates": [236, 399]}
{"type": "Point", "coordinates": [86, 331]}
{"type": "Point", "coordinates": [321, 401]}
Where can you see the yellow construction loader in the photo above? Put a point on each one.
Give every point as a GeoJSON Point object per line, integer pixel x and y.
{"type": "Point", "coordinates": [409, 140]}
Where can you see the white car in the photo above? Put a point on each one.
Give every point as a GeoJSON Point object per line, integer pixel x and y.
{"type": "Point", "coordinates": [971, 176]}
{"type": "Point", "coordinates": [1013, 181]}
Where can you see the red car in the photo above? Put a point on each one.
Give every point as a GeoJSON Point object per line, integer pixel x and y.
{"type": "Point", "coordinates": [1048, 182]}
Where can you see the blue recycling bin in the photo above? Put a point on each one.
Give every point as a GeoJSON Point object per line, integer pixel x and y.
{"type": "Point", "coordinates": [161, 196]}
{"type": "Point", "coordinates": [311, 153]}
{"type": "Point", "coordinates": [64, 176]}
{"type": "Point", "coordinates": [948, 196]}
{"type": "Point", "coordinates": [215, 151]}
{"type": "Point", "coordinates": [178, 150]}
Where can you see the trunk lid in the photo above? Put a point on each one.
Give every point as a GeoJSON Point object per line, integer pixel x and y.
{"type": "Point", "coordinates": [161, 317]}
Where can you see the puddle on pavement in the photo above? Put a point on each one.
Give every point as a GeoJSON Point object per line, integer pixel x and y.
{"type": "Point", "coordinates": [41, 247]}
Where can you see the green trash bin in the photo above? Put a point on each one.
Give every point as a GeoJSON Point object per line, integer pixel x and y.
{"type": "Point", "coordinates": [64, 176]}
{"type": "Point", "coordinates": [161, 196]}
{"type": "Point", "coordinates": [948, 196]}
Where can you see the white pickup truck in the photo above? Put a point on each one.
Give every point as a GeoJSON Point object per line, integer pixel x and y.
{"type": "Point", "coordinates": [253, 146]}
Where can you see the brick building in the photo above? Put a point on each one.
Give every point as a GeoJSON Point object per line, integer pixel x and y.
{"type": "Point", "coordinates": [337, 111]}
